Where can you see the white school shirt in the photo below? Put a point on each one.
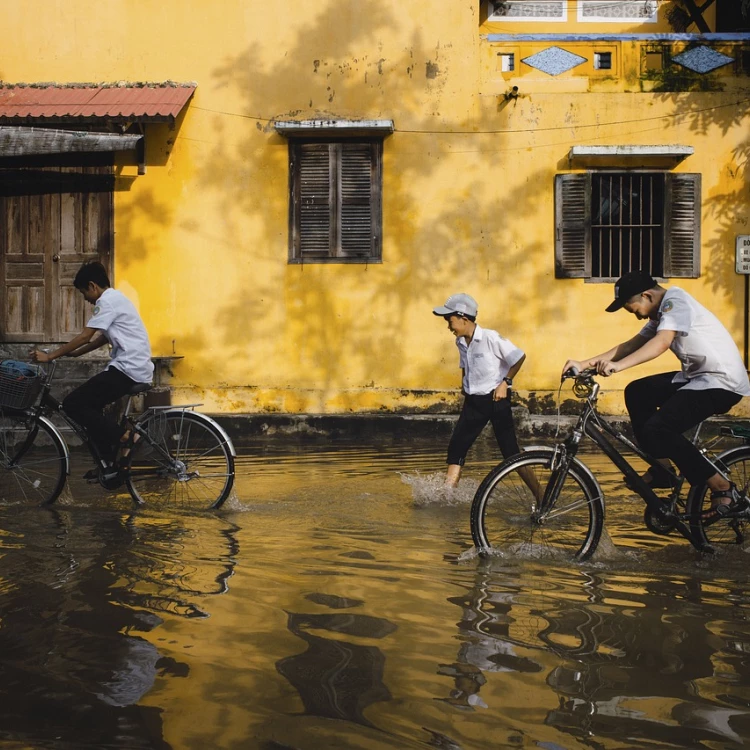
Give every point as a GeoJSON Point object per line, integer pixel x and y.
{"type": "Point", "coordinates": [486, 360]}
{"type": "Point", "coordinates": [116, 317]}
{"type": "Point", "coordinates": [708, 354]}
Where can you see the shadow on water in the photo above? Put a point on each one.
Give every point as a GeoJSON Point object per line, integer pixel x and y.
{"type": "Point", "coordinates": [336, 603]}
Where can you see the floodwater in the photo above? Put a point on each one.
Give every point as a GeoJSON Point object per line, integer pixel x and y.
{"type": "Point", "coordinates": [336, 603]}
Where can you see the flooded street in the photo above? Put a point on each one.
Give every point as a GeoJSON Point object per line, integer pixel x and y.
{"type": "Point", "coordinates": [335, 603]}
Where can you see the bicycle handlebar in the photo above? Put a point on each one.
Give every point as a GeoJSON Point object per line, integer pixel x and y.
{"type": "Point", "coordinates": [574, 372]}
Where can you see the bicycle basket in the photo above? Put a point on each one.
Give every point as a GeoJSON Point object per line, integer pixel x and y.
{"type": "Point", "coordinates": [20, 384]}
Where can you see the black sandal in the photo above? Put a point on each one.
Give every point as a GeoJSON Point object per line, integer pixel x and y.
{"type": "Point", "coordinates": [718, 509]}
{"type": "Point", "coordinates": [731, 494]}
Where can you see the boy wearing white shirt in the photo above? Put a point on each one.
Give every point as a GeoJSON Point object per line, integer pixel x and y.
{"type": "Point", "coordinates": [489, 363]}
{"type": "Point", "coordinates": [115, 321]}
{"type": "Point", "coordinates": [662, 407]}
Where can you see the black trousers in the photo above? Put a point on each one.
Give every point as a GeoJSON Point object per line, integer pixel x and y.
{"type": "Point", "coordinates": [660, 411]}
{"type": "Point", "coordinates": [476, 412]}
{"type": "Point", "coordinates": [86, 403]}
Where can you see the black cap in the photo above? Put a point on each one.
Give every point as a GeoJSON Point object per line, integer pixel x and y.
{"type": "Point", "coordinates": [628, 286]}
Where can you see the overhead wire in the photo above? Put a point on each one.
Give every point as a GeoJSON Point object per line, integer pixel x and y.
{"type": "Point", "coordinates": [510, 131]}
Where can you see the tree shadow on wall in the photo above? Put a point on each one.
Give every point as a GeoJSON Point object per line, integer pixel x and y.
{"type": "Point", "coordinates": [424, 242]}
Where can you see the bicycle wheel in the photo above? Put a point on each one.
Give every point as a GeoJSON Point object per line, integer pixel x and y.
{"type": "Point", "coordinates": [719, 531]}
{"type": "Point", "coordinates": [185, 463]}
{"type": "Point", "coordinates": [33, 465]}
{"type": "Point", "coordinates": [505, 513]}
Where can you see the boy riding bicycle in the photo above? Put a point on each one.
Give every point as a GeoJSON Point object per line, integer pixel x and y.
{"type": "Point", "coordinates": [116, 322]}
{"type": "Point", "coordinates": [661, 407]}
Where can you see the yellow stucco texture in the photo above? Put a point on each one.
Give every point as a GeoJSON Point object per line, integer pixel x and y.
{"type": "Point", "coordinates": [468, 201]}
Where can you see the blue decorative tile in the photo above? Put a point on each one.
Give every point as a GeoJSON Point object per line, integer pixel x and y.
{"type": "Point", "coordinates": [702, 59]}
{"type": "Point", "coordinates": [554, 60]}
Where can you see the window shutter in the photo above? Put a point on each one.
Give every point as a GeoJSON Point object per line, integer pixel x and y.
{"type": "Point", "coordinates": [312, 227]}
{"type": "Point", "coordinates": [682, 247]}
{"type": "Point", "coordinates": [357, 171]}
{"type": "Point", "coordinates": [572, 226]}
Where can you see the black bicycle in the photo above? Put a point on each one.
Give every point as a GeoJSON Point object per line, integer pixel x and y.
{"type": "Point", "coordinates": [180, 457]}
{"type": "Point", "coordinates": [547, 497]}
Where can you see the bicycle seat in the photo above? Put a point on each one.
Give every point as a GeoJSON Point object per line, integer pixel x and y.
{"type": "Point", "coordinates": [140, 388]}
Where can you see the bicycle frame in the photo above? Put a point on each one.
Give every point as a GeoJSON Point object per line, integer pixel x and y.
{"type": "Point", "coordinates": [595, 427]}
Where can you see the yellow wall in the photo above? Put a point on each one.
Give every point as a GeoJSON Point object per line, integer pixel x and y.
{"type": "Point", "coordinates": [201, 239]}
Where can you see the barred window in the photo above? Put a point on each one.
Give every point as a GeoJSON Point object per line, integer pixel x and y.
{"type": "Point", "coordinates": [335, 206]}
{"type": "Point", "coordinates": [609, 223]}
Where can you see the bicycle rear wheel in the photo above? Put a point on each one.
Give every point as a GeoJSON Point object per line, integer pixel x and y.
{"type": "Point", "coordinates": [33, 465]}
{"type": "Point", "coordinates": [506, 513]}
{"type": "Point", "coordinates": [185, 463]}
{"type": "Point", "coordinates": [718, 531]}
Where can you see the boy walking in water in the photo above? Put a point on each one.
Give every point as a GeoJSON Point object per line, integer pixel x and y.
{"type": "Point", "coordinates": [489, 363]}
{"type": "Point", "coordinates": [116, 322]}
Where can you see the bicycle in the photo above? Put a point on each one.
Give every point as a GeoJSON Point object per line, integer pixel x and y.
{"type": "Point", "coordinates": [549, 497]}
{"type": "Point", "coordinates": [181, 457]}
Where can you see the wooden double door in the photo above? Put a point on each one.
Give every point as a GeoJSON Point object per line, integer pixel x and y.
{"type": "Point", "coordinates": [52, 219]}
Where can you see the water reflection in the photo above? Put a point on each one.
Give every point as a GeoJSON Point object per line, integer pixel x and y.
{"type": "Point", "coordinates": [623, 655]}
{"type": "Point", "coordinates": [80, 596]}
{"type": "Point", "coordinates": [331, 606]}
{"type": "Point", "coordinates": [335, 678]}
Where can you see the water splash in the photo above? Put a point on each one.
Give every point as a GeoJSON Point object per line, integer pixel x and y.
{"type": "Point", "coordinates": [430, 489]}
{"type": "Point", "coordinates": [233, 503]}
{"type": "Point", "coordinates": [66, 496]}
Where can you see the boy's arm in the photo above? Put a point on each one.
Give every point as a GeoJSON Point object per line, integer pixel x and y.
{"type": "Point", "coordinates": [95, 343]}
{"type": "Point", "coordinates": [615, 354]}
{"type": "Point", "coordinates": [501, 391]}
{"type": "Point", "coordinates": [651, 349]}
{"type": "Point", "coordinates": [84, 337]}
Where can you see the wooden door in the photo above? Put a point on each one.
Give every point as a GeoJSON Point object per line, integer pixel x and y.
{"type": "Point", "coordinates": [52, 219]}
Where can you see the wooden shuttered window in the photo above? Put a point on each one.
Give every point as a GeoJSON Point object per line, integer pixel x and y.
{"type": "Point", "coordinates": [682, 246]}
{"type": "Point", "coordinates": [625, 221]}
{"type": "Point", "coordinates": [572, 226]}
{"type": "Point", "coordinates": [335, 207]}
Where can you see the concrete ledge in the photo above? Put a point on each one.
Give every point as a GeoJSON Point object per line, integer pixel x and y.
{"type": "Point", "coordinates": [387, 428]}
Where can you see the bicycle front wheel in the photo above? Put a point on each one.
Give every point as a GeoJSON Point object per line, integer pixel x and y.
{"type": "Point", "coordinates": [711, 529]}
{"type": "Point", "coordinates": [184, 462]}
{"type": "Point", "coordinates": [507, 513]}
{"type": "Point", "coordinates": [33, 462]}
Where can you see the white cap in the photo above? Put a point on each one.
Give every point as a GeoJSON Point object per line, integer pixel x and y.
{"type": "Point", "coordinates": [458, 303]}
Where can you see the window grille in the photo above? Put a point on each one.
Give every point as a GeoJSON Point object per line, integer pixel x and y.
{"type": "Point", "coordinates": [609, 223]}
{"type": "Point", "coordinates": [627, 223]}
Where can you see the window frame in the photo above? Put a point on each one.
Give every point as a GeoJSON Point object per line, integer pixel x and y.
{"type": "Point", "coordinates": [530, 18]}
{"type": "Point", "coordinates": [594, 18]}
{"type": "Point", "coordinates": [336, 254]}
{"type": "Point", "coordinates": [573, 224]}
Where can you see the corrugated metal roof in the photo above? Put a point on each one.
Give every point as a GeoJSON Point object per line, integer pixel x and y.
{"type": "Point", "coordinates": [136, 101]}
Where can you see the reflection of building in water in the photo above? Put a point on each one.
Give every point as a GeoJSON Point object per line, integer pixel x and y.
{"type": "Point", "coordinates": [78, 599]}
{"type": "Point", "coordinates": [630, 656]}
{"type": "Point", "coordinates": [337, 679]}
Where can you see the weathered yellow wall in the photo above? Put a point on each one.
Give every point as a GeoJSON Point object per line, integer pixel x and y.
{"type": "Point", "coordinates": [201, 239]}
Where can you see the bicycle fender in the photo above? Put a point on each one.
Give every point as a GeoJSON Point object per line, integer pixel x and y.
{"type": "Point", "coordinates": [213, 424]}
{"type": "Point", "coordinates": [53, 428]}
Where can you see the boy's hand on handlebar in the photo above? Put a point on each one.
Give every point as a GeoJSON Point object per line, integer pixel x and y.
{"type": "Point", "coordinates": [571, 369]}
{"type": "Point", "coordinates": [38, 356]}
{"type": "Point", "coordinates": [607, 368]}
